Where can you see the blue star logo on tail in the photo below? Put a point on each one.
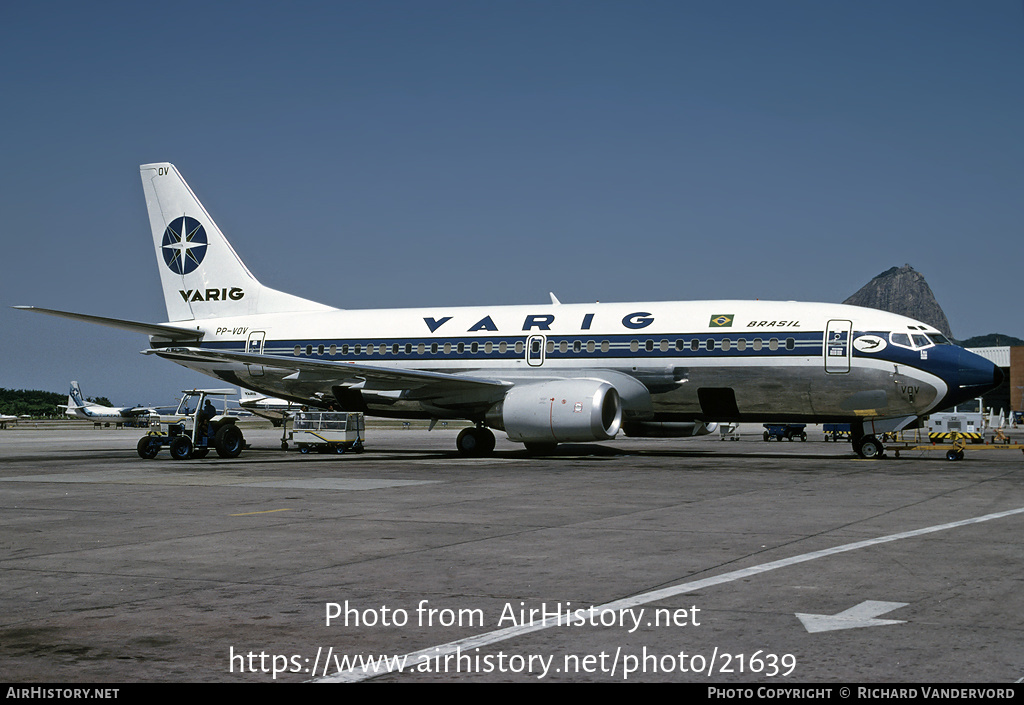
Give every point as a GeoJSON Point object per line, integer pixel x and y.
{"type": "Point", "coordinates": [184, 244]}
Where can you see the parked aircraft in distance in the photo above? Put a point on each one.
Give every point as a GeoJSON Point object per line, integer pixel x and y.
{"type": "Point", "coordinates": [79, 408]}
{"type": "Point", "coordinates": [273, 409]}
{"type": "Point", "coordinates": [6, 419]}
{"type": "Point", "coordinates": [544, 374]}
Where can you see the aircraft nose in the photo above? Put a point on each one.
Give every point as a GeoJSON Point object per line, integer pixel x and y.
{"type": "Point", "coordinates": [977, 373]}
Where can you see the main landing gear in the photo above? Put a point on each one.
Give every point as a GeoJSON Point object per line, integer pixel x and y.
{"type": "Point", "coordinates": [475, 442]}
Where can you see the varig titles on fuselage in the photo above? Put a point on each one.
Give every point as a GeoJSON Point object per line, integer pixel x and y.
{"type": "Point", "coordinates": [636, 320]}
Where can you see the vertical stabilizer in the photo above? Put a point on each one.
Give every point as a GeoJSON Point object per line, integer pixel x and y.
{"type": "Point", "coordinates": [75, 398]}
{"type": "Point", "coordinates": [201, 275]}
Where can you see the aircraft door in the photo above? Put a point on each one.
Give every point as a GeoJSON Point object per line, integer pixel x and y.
{"type": "Point", "coordinates": [255, 345]}
{"type": "Point", "coordinates": [535, 350]}
{"type": "Point", "coordinates": [837, 346]}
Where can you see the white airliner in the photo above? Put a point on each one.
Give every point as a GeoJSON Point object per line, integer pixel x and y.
{"type": "Point", "coordinates": [550, 373]}
{"type": "Point", "coordinates": [78, 407]}
{"type": "Point", "coordinates": [6, 419]}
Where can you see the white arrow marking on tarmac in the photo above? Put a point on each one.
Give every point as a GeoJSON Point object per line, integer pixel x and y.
{"type": "Point", "coordinates": [862, 615]}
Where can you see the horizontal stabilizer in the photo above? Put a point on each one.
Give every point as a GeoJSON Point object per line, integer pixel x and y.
{"type": "Point", "coordinates": [158, 330]}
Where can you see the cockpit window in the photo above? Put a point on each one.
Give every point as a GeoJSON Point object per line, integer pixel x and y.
{"type": "Point", "coordinates": [917, 341]}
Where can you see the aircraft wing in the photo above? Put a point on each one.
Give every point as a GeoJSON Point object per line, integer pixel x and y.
{"type": "Point", "coordinates": [418, 384]}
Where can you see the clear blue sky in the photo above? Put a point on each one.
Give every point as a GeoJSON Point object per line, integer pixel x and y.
{"type": "Point", "coordinates": [390, 154]}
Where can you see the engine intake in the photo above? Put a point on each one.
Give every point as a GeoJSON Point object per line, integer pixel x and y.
{"type": "Point", "coordinates": [559, 411]}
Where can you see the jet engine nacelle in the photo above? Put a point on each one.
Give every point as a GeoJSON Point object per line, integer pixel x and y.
{"type": "Point", "coordinates": [559, 411]}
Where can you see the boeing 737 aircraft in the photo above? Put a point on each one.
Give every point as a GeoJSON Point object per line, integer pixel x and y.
{"type": "Point", "coordinates": [550, 373]}
{"type": "Point", "coordinates": [78, 407]}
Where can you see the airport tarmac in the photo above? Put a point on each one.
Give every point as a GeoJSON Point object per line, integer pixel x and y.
{"type": "Point", "coordinates": [704, 561]}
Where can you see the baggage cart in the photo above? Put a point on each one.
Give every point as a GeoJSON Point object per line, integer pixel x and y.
{"type": "Point", "coordinates": [329, 431]}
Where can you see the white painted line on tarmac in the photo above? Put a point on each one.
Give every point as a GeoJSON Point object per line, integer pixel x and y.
{"type": "Point", "coordinates": [433, 652]}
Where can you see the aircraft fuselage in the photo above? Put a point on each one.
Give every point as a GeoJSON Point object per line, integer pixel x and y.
{"type": "Point", "coordinates": [706, 360]}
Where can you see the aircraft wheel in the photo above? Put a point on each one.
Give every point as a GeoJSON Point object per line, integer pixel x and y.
{"type": "Point", "coordinates": [869, 448]}
{"type": "Point", "coordinates": [284, 445]}
{"type": "Point", "coordinates": [475, 442]}
{"type": "Point", "coordinates": [181, 448]}
{"type": "Point", "coordinates": [148, 447]}
{"type": "Point", "coordinates": [228, 441]}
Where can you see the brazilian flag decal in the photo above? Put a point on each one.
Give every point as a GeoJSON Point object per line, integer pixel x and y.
{"type": "Point", "coordinates": [722, 320]}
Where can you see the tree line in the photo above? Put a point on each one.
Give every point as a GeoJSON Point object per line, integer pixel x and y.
{"type": "Point", "coordinates": [34, 402]}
